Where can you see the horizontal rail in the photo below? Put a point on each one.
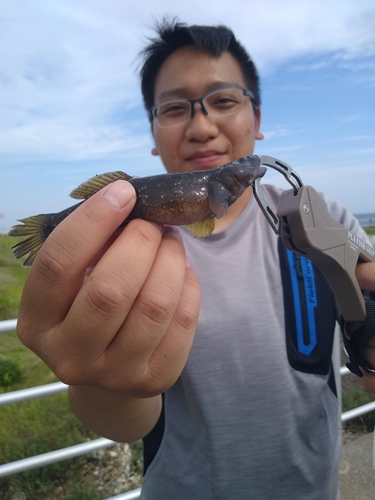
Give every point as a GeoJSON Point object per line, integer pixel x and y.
{"type": "Point", "coordinates": [40, 391]}
{"type": "Point", "coordinates": [58, 387]}
{"type": "Point", "coordinates": [55, 456]}
{"type": "Point", "coordinates": [82, 449]}
{"type": "Point", "coordinates": [344, 371]}
{"type": "Point", "coordinates": [130, 495]}
{"type": "Point", "coordinates": [8, 325]}
{"type": "Point", "coordinates": [357, 412]}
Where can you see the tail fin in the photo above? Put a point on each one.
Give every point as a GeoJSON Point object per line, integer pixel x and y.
{"type": "Point", "coordinates": [33, 227]}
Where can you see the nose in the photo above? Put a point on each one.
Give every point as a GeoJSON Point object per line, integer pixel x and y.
{"type": "Point", "coordinates": [201, 126]}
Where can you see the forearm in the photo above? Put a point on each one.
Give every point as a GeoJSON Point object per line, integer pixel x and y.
{"type": "Point", "coordinates": [112, 415]}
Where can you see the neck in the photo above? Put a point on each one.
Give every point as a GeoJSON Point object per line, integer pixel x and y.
{"type": "Point", "coordinates": [233, 211]}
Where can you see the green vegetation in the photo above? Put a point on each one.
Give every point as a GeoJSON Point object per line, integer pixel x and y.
{"type": "Point", "coordinates": [10, 372]}
{"type": "Point", "coordinates": [12, 278]}
{"type": "Point", "coordinates": [358, 396]}
{"type": "Point", "coordinates": [370, 230]}
{"type": "Point", "coordinates": [42, 425]}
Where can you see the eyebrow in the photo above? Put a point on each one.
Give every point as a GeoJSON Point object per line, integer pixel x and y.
{"type": "Point", "coordinates": [184, 92]}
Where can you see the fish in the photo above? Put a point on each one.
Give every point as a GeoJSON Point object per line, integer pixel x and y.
{"type": "Point", "coordinates": [192, 199]}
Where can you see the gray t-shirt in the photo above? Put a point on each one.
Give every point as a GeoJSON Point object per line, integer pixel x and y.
{"type": "Point", "coordinates": [240, 422]}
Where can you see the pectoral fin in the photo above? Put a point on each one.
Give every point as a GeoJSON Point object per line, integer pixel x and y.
{"type": "Point", "coordinates": [202, 229]}
{"type": "Point", "coordinates": [218, 196]}
{"type": "Point", "coordinates": [95, 184]}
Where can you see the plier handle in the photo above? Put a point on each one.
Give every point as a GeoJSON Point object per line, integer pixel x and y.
{"type": "Point", "coordinates": [306, 227]}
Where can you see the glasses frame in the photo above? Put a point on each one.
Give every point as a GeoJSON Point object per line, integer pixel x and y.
{"type": "Point", "coordinates": [153, 110]}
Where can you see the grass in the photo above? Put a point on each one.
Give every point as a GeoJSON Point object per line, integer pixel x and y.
{"type": "Point", "coordinates": [47, 424]}
{"type": "Point", "coordinates": [12, 278]}
{"type": "Point", "coordinates": [358, 396]}
{"type": "Point", "coordinates": [38, 426]}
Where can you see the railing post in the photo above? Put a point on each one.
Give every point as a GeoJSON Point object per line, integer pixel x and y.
{"type": "Point", "coordinates": [336, 363]}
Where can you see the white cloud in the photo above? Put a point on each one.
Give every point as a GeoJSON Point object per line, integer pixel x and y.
{"type": "Point", "coordinates": [276, 133]}
{"type": "Point", "coordinates": [68, 83]}
{"type": "Point", "coordinates": [66, 142]}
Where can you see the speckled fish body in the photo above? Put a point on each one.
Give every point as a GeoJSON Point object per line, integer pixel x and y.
{"type": "Point", "coordinates": [193, 199]}
{"type": "Point", "coordinates": [190, 197]}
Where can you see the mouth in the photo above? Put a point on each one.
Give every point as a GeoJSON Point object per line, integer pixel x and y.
{"type": "Point", "coordinates": [206, 159]}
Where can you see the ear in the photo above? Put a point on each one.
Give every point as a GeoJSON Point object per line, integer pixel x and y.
{"type": "Point", "coordinates": [258, 114]}
{"type": "Point", "coordinates": [155, 152]}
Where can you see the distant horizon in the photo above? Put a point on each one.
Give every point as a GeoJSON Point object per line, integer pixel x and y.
{"type": "Point", "coordinates": [366, 220]}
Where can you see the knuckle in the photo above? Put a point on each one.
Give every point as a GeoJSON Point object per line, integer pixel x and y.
{"type": "Point", "coordinates": [188, 309]}
{"type": "Point", "coordinates": [26, 339]}
{"type": "Point", "coordinates": [68, 373]}
{"type": "Point", "coordinates": [91, 217]}
{"type": "Point", "coordinates": [160, 378]}
{"type": "Point", "coordinates": [132, 380]}
{"type": "Point", "coordinates": [187, 316]}
{"type": "Point", "coordinates": [31, 334]}
{"type": "Point", "coordinates": [22, 331]}
{"type": "Point", "coordinates": [149, 385]}
{"type": "Point", "coordinates": [156, 307]}
{"type": "Point", "coordinates": [144, 233]}
{"type": "Point", "coordinates": [52, 264]}
{"type": "Point", "coordinates": [105, 297]}
{"type": "Point", "coordinates": [77, 369]}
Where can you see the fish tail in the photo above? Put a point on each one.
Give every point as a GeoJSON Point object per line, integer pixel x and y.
{"type": "Point", "coordinates": [32, 227]}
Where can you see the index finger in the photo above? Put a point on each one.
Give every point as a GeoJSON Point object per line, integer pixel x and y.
{"type": "Point", "coordinates": [58, 270]}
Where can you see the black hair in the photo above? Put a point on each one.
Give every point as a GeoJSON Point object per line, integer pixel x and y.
{"type": "Point", "coordinates": [173, 35]}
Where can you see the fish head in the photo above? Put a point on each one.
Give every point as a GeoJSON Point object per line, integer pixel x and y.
{"type": "Point", "coordinates": [227, 184]}
{"type": "Point", "coordinates": [241, 173]}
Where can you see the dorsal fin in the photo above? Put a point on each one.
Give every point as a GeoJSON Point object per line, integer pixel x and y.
{"type": "Point", "coordinates": [202, 229]}
{"type": "Point", "coordinates": [95, 184]}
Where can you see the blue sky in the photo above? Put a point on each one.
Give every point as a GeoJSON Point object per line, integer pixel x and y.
{"type": "Point", "coordinates": [71, 107]}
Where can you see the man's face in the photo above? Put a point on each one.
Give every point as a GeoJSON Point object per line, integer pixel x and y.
{"type": "Point", "coordinates": [204, 142]}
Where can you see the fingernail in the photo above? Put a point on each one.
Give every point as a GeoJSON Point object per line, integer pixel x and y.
{"type": "Point", "coordinates": [119, 193]}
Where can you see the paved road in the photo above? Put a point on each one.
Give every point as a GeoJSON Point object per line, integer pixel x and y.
{"type": "Point", "coordinates": [357, 481]}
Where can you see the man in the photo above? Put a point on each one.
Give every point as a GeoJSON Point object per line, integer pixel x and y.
{"type": "Point", "coordinates": [116, 314]}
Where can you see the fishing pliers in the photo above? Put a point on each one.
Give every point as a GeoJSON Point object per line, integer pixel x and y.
{"type": "Point", "coordinates": [303, 222]}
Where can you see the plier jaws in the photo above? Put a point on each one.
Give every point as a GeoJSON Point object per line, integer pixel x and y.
{"type": "Point", "coordinates": [291, 176]}
{"type": "Point", "coordinates": [306, 227]}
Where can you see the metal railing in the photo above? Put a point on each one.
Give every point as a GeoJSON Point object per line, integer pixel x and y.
{"type": "Point", "coordinates": [97, 444]}
{"type": "Point", "coordinates": [57, 455]}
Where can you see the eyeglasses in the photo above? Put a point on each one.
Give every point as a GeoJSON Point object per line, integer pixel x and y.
{"type": "Point", "coordinates": [224, 102]}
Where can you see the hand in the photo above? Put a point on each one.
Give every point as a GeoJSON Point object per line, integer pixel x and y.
{"type": "Point", "coordinates": [365, 273]}
{"type": "Point", "coordinates": [129, 324]}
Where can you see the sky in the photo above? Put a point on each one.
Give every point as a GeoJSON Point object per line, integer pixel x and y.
{"type": "Point", "coordinates": [71, 108]}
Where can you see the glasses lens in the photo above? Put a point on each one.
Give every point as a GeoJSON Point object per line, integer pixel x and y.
{"type": "Point", "coordinates": [171, 113]}
{"type": "Point", "coordinates": [224, 102]}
